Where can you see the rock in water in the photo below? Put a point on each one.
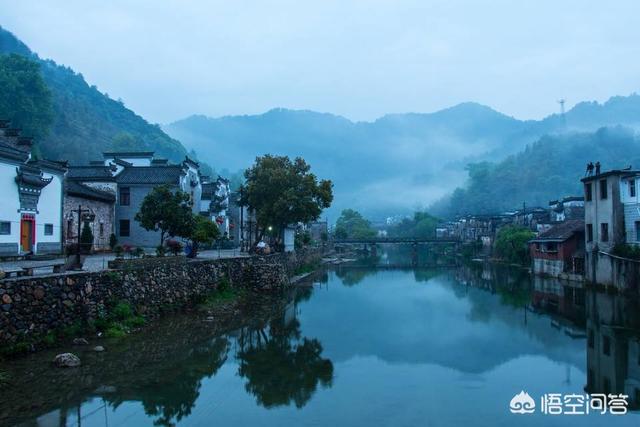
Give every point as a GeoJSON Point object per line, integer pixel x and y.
{"type": "Point", "coordinates": [80, 341]}
{"type": "Point", "coordinates": [66, 360]}
{"type": "Point", "coordinates": [98, 348]}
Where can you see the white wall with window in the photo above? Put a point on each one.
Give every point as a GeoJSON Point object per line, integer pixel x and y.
{"type": "Point", "coordinates": [630, 195]}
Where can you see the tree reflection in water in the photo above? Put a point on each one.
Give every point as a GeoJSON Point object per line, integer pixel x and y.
{"type": "Point", "coordinates": [171, 393]}
{"type": "Point", "coordinates": [280, 366]}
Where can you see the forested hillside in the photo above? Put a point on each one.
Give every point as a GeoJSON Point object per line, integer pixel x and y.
{"type": "Point", "coordinates": [549, 169]}
{"type": "Point", "coordinates": [86, 122]}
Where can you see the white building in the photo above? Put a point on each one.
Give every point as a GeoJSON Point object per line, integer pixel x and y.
{"type": "Point", "coordinates": [31, 209]}
{"type": "Point", "coordinates": [629, 187]}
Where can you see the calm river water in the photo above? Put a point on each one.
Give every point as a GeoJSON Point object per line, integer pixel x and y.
{"type": "Point", "coordinates": [360, 347]}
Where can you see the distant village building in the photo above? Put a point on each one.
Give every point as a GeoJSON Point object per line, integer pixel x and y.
{"type": "Point", "coordinates": [566, 209]}
{"type": "Point", "coordinates": [31, 210]}
{"type": "Point", "coordinates": [559, 251]}
{"type": "Point", "coordinates": [215, 204]}
{"type": "Point", "coordinates": [130, 176]}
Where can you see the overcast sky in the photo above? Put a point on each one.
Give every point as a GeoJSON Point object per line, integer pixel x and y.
{"type": "Point", "coordinates": [168, 58]}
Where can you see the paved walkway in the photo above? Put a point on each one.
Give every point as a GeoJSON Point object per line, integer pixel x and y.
{"type": "Point", "coordinates": [99, 262]}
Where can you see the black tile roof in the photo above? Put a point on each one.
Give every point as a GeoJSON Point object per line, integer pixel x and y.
{"type": "Point", "coordinates": [79, 190]}
{"type": "Point", "coordinates": [150, 175]}
{"type": "Point", "coordinates": [90, 173]}
{"type": "Point", "coordinates": [562, 231]}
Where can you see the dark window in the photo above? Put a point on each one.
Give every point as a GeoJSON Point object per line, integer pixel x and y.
{"type": "Point", "coordinates": [638, 231]}
{"type": "Point", "coordinates": [48, 229]}
{"type": "Point", "coordinates": [124, 228]}
{"type": "Point", "coordinates": [589, 232]}
{"type": "Point", "coordinates": [591, 339]}
{"type": "Point", "coordinates": [606, 345]}
{"type": "Point", "coordinates": [588, 192]}
{"type": "Point", "coordinates": [603, 188]}
{"type": "Point", "coordinates": [552, 247]}
{"type": "Point", "coordinates": [101, 229]}
{"type": "Point", "coordinates": [69, 228]}
{"type": "Point", "coordinates": [125, 196]}
{"type": "Point", "coordinates": [632, 188]}
{"type": "Point", "coordinates": [637, 396]}
{"type": "Point", "coordinates": [604, 232]}
{"type": "Point", "coordinates": [5, 227]}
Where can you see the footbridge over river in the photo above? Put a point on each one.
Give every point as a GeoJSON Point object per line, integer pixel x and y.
{"type": "Point", "coordinates": [397, 240]}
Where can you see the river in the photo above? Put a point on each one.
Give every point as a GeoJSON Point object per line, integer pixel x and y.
{"type": "Point", "coordinates": [358, 346]}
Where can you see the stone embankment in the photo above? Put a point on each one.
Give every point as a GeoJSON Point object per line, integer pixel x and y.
{"type": "Point", "coordinates": [32, 307]}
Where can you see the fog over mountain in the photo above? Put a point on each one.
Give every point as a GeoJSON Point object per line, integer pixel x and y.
{"type": "Point", "coordinates": [396, 163]}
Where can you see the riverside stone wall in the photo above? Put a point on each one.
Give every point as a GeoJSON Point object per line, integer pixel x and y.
{"type": "Point", "coordinates": [33, 306]}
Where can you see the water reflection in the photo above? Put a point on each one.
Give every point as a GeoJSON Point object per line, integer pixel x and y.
{"type": "Point", "coordinates": [364, 346]}
{"type": "Point", "coordinates": [281, 367]}
{"type": "Point", "coordinates": [613, 345]}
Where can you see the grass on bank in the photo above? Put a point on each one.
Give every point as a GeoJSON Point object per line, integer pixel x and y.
{"type": "Point", "coordinates": [119, 320]}
{"type": "Point", "coordinates": [306, 268]}
{"type": "Point", "coordinates": [223, 293]}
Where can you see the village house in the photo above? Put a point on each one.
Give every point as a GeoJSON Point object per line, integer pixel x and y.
{"type": "Point", "coordinates": [629, 186]}
{"type": "Point", "coordinates": [571, 207]}
{"type": "Point", "coordinates": [215, 204]}
{"type": "Point", "coordinates": [97, 209]}
{"type": "Point", "coordinates": [559, 251]}
{"type": "Point", "coordinates": [31, 211]}
{"type": "Point", "coordinates": [130, 176]}
{"type": "Point", "coordinates": [605, 223]}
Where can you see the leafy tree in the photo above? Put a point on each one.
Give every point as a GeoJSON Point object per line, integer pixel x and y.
{"type": "Point", "coordinates": [25, 98]}
{"type": "Point", "coordinates": [283, 192]}
{"type": "Point", "coordinates": [511, 244]}
{"type": "Point", "coordinates": [86, 238]}
{"type": "Point", "coordinates": [204, 231]}
{"type": "Point", "coordinates": [124, 141]}
{"type": "Point", "coordinates": [352, 225]}
{"type": "Point", "coordinates": [421, 225]}
{"type": "Point", "coordinates": [166, 211]}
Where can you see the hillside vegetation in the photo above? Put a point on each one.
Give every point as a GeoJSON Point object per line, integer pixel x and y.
{"type": "Point", "coordinates": [549, 169]}
{"type": "Point", "coordinates": [84, 122]}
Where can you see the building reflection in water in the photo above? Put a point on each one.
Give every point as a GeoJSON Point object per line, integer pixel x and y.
{"type": "Point", "coordinates": [613, 345]}
{"type": "Point", "coordinates": [611, 322]}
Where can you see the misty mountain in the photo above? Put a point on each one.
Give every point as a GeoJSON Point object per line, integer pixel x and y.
{"type": "Point", "coordinates": [549, 169]}
{"type": "Point", "coordinates": [86, 121]}
{"type": "Point", "coordinates": [398, 162]}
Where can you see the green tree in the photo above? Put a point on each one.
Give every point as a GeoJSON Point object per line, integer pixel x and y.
{"type": "Point", "coordinates": [352, 225]}
{"type": "Point", "coordinates": [204, 231]}
{"type": "Point", "coordinates": [124, 141]}
{"type": "Point", "coordinates": [86, 238]}
{"type": "Point", "coordinates": [283, 192]}
{"type": "Point", "coordinates": [421, 225]}
{"type": "Point", "coordinates": [166, 211]}
{"type": "Point", "coordinates": [511, 244]}
{"type": "Point", "coordinates": [24, 97]}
